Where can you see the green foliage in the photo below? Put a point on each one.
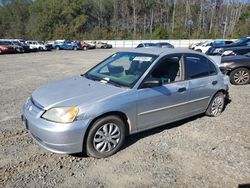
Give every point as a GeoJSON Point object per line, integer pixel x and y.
{"type": "Point", "coordinates": [114, 19]}
{"type": "Point", "coordinates": [160, 33]}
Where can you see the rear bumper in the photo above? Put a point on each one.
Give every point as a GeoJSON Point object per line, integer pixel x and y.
{"type": "Point", "coordinates": [56, 137]}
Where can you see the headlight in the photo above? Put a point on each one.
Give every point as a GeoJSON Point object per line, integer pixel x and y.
{"type": "Point", "coordinates": [226, 64]}
{"type": "Point", "coordinates": [61, 114]}
{"type": "Point", "coordinates": [218, 50]}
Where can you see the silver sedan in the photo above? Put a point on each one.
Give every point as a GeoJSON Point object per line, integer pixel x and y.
{"type": "Point", "coordinates": [129, 92]}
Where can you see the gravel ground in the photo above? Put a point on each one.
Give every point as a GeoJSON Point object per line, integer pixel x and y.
{"type": "Point", "coordinates": [197, 152]}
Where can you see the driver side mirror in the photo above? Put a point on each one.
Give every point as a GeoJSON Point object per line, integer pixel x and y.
{"type": "Point", "coordinates": [151, 82]}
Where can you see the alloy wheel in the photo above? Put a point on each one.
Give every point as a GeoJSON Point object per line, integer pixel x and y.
{"type": "Point", "coordinates": [241, 77]}
{"type": "Point", "coordinates": [106, 137]}
{"type": "Point", "coordinates": [217, 105]}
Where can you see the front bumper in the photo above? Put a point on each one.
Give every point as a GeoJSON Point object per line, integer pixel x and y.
{"type": "Point", "coordinates": [56, 137]}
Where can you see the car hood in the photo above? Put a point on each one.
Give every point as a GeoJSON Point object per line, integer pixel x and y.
{"type": "Point", "coordinates": [74, 91]}
{"type": "Point", "coordinates": [234, 58]}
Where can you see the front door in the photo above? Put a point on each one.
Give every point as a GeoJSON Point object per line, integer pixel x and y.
{"type": "Point", "coordinates": [166, 103]}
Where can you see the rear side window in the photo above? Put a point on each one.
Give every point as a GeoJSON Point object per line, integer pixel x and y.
{"type": "Point", "coordinates": [212, 68]}
{"type": "Point", "coordinates": [197, 66]}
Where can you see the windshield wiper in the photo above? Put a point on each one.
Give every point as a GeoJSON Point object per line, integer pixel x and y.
{"type": "Point", "coordinates": [111, 82]}
{"type": "Point", "coordinates": [104, 80]}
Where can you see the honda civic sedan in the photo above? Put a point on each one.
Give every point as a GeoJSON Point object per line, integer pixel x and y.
{"type": "Point", "coordinates": [129, 92]}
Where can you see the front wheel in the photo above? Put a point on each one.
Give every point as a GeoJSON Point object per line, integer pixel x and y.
{"type": "Point", "coordinates": [216, 105]}
{"type": "Point", "coordinates": [240, 76]}
{"type": "Point", "coordinates": [105, 137]}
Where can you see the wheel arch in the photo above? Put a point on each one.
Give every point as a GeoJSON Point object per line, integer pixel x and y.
{"type": "Point", "coordinates": [224, 91]}
{"type": "Point", "coordinates": [239, 67]}
{"type": "Point", "coordinates": [120, 114]}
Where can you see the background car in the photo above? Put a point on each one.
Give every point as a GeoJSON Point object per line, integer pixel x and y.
{"type": "Point", "coordinates": [146, 45]}
{"type": "Point", "coordinates": [66, 45]}
{"type": "Point", "coordinates": [37, 45]}
{"type": "Point", "coordinates": [243, 41]}
{"type": "Point", "coordinates": [5, 49]}
{"type": "Point", "coordinates": [238, 68]}
{"type": "Point", "coordinates": [192, 46]}
{"type": "Point", "coordinates": [25, 46]}
{"type": "Point", "coordinates": [87, 45]}
{"type": "Point", "coordinates": [164, 45]}
{"type": "Point", "coordinates": [220, 42]}
{"type": "Point", "coordinates": [17, 48]}
{"type": "Point", "coordinates": [102, 45]}
{"type": "Point", "coordinates": [205, 46]}
{"type": "Point", "coordinates": [241, 50]}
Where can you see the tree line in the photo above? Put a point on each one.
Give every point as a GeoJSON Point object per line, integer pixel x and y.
{"type": "Point", "coordinates": [123, 19]}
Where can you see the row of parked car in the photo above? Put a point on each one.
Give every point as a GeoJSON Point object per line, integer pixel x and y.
{"type": "Point", "coordinates": [22, 46]}
{"type": "Point", "coordinates": [235, 57]}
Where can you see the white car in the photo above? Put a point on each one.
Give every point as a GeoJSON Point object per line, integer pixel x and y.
{"type": "Point", "coordinates": [36, 45]}
{"type": "Point", "coordinates": [203, 47]}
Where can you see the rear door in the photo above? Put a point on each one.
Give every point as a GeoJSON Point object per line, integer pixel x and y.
{"type": "Point", "coordinates": [201, 74]}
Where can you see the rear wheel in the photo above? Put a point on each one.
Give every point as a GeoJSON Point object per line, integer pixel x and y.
{"type": "Point", "coordinates": [105, 137]}
{"type": "Point", "coordinates": [75, 48]}
{"type": "Point", "coordinates": [216, 105]}
{"type": "Point", "coordinates": [240, 76]}
{"type": "Point", "coordinates": [57, 48]}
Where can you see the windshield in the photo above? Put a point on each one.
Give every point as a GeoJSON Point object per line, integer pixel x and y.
{"type": "Point", "coordinates": [15, 42]}
{"type": "Point", "coordinates": [121, 69]}
{"type": "Point", "coordinates": [5, 43]}
{"type": "Point", "coordinates": [239, 41]}
{"type": "Point", "coordinates": [150, 44]}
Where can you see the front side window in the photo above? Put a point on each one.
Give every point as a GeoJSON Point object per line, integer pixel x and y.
{"type": "Point", "coordinates": [196, 66]}
{"type": "Point", "coordinates": [168, 70]}
{"type": "Point", "coordinates": [122, 69]}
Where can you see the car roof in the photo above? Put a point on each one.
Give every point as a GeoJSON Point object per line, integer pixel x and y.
{"type": "Point", "coordinates": [162, 51]}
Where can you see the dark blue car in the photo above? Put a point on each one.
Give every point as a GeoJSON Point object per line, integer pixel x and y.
{"type": "Point", "coordinates": [66, 45]}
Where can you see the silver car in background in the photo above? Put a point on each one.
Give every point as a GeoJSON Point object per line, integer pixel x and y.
{"type": "Point", "coordinates": [128, 92]}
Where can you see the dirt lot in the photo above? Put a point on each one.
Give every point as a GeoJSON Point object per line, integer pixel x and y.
{"type": "Point", "coordinates": [198, 152]}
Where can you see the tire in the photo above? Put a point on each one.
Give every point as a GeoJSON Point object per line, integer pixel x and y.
{"type": "Point", "coordinates": [216, 105]}
{"type": "Point", "coordinates": [240, 76]}
{"type": "Point", "coordinates": [99, 142]}
{"type": "Point", "coordinates": [84, 48]}
{"type": "Point", "coordinates": [75, 48]}
{"type": "Point", "coordinates": [0, 51]}
{"type": "Point", "coordinates": [40, 49]}
{"type": "Point", "coordinates": [57, 48]}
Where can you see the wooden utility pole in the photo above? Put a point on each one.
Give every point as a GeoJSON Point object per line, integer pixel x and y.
{"type": "Point", "coordinates": [173, 16]}
{"type": "Point", "coordinates": [134, 19]}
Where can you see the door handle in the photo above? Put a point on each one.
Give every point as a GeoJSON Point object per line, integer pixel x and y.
{"type": "Point", "coordinates": [182, 89]}
{"type": "Point", "coordinates": [214, 82]}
